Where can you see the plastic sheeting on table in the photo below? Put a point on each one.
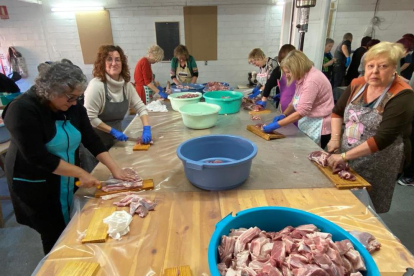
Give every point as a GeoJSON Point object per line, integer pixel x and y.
{"type": "Point", "coordinates": [178, 231]}
{"type": "Point", "coordinates": [281, 163]}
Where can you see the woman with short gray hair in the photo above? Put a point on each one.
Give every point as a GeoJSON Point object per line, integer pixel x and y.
{"type": "Point", "coordinates": [47, 125]}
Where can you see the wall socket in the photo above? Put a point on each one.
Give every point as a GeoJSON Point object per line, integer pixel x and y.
{"type": "Point", "coordinates": [205, 62]}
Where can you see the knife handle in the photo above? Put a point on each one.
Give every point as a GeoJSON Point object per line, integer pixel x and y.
{"type": "Point", "coordinates": [78, 184]}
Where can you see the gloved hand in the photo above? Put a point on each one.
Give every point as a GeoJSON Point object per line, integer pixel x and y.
{"type": "Point", "coordinates": [118, 135]}
{"type": "Point", "coordinates": [162, 93]}
{"type": "Point", "coordinates": [276, 98]}
{"type": "Point", "coordinates": [146, 135]}
{"type": "Point", "coordinates": [255, 93]}
{"type": "Point", "coordinates": [270, 127]}
{"type": "Point", "coordinates": [278, 118]}
{"type": "Point", "coordinates": [348, 61]}
{"type": "Point", "coordinates": [262, 103]}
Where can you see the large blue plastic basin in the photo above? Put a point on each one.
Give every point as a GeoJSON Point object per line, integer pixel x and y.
{"type": "Point", "coordinates": [235, 152]}
{"type": "Point", "coordinates": [275, 219]}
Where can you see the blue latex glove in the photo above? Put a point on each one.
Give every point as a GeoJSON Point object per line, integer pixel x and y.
{"type": "Point", "coordinates": [118, 135]}
{"type": "Point", "coordinates": [162, 93]}
{"type": "Point", "coordinates": [255, 93]}
{"type": "Point", "coordinates": [276, 98]}
{"type": "Point", "coordinates": [262, 103]}
{"type": "Point", "coordinates": [146, 135]}
{"type": "Point", "coordinates": [348, 61]}
{"type": "Point", "coordinates": [270, 127]}
{"type": "Point", "coordinates": [278, 118]}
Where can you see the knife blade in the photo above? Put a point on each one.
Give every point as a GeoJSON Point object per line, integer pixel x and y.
{"type": "Point", "coordinates": [108, 182]}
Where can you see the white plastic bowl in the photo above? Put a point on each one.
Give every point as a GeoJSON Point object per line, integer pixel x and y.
{"type": "Point", "coordinates": [200, 115]}
{"type": "Point", "coordinates": [176, 103]}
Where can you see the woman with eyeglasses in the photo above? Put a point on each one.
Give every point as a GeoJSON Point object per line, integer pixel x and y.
{"type": "Point", "coordinates": [110, 95]}
{"type": "Point", "coordinates": [47, 125]}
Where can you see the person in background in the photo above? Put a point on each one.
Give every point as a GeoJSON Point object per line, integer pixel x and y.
{"type": "Point", "coordinates": [47, 124]}
{"type": "Point", "coordinates": [275, 79]}
{"type": "Point", "coordinates": [183, 66]}
{"type": "Point", "coordinates": [352, 72]}
{"type": "Point", "coordinates": [343, 59]}
{"type": "Point", "coordinates": [406, 63]}
{"type": "Point", "coordinates": [361, 68]}
{"type": "Point", "coordinates": [286, 91]}
{"type": "Point", "coordinates": [313, 100]}
{"type": "Point", "coordinates": [328, 59]}
{"type": "Point", "coordinates": [143, 74]}
{"type": "Point", "coordinates": [377, 110]}
{"type": "Point", "coordinates": [110, 95]}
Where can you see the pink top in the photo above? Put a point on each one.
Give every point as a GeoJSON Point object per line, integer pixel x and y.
{"type": "Point", "coordinates": [315, 98]}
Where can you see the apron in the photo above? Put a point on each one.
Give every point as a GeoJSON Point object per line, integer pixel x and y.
{"type": "Point", "coordinates": [380, 169]}
{"type": "Point", "coordinates": [310, 126]}
{"type": "Point", "coordinates": [183, 75]}
{"type": "Point", "coordinates": [112, 115]}
{"type": "Point", "coordinates": [262, 77]}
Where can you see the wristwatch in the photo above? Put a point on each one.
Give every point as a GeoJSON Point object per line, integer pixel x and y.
{"type": "Point", "coordinates": [343, 155]}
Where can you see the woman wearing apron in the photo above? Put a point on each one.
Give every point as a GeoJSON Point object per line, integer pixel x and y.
{"type": "Point", "coordinates": [144, 79]}
{"type": "Point", "coordinates": [377, 110]}
{"type": "Point", "coordinates": [183, 66]}
{"type": "Point", "coordinates": [110, 95]}
{"type": "Point", "coordinates": [312, 103]}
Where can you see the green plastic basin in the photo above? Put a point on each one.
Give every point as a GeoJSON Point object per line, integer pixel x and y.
{"type": "Point", "coordinates": [229, 101]}
{"type": "Point", "coordinates": [199, 115]}
{"type": "Point", "coordinates": [176, 103]}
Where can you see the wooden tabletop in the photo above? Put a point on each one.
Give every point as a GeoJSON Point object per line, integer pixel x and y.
{"type": "Point", "coordinates": [4, 147]}
{"type": "Point", "coordinates": [178, 231]}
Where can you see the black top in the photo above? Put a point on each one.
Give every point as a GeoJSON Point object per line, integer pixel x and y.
{"type": "Point", "coordinates": [7, 85]}
{"type": "Point", "coordinates": [356, 60]}
{"type": "Point", "coordinates": [272, 81]}
{"type": "Point", "coordinates": [339, 55]}
{"type": "Point", "coordinates": [408, 72]}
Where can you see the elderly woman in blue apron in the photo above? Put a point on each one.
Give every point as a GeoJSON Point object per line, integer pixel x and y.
{"type": "Point", "coordinates": [312, 103]}
{"type": "Point", "coordinates": [183, 66]}
{"type": "Point", "coordinates": [377, 110]}
{"type": "Point", "coordinates": [269, 73]}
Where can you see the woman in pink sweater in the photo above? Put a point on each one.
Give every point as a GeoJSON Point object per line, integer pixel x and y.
{"type": "Point", "coordinates": [312, 103]}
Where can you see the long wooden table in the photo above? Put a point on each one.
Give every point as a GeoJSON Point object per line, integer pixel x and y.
{"type": "Point", "coordinates": [179, 230]}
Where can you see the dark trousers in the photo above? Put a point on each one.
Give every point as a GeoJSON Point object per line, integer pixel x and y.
{"type": "Point", "coordinates": [338, 75]}
{"type": "Point", "coordinates": [325, 140]}
{"type": "Point", "coordinates": [409, 170]}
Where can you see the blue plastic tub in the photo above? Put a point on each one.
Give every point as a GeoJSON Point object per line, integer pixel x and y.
{"type": "Point", "coordinates": [193, 88]}
{"type": "Point", "coordinates": [223, 83]}
{"type": "Point", "coordinates": [229, 101]}
{"type": "Point", "coordinates": [275, 219]}
{"type": "Point", "coordinates": [236, 154]}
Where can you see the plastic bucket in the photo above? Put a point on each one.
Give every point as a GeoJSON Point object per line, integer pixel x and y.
{"type": "Point", "coordinates": [176, 102]}
{"type": "Point", "coordinates": [229, 101]}
{"type": "Point", "coordinates": [6, 98]}
{"type": "Point", "coordinates": [199, 115]}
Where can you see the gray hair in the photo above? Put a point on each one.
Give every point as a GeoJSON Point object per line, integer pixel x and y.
{"type": "Point", "coordinates": [59, 78]}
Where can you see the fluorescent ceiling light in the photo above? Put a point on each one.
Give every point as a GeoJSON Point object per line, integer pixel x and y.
{"type": "Point", "coordinates": [74, 9]}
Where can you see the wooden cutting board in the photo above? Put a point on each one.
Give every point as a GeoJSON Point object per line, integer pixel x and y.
{"type": "Point", "coordinates": [265, 111]}
{"type": "Point", "coordinates": [266, 136]}
{"type": "Point", "coordinates": [343, 184]}
{"type": "Point", "coordinates": [148, 184]}
{"type": "Point", "coordinates": [97, 229]}
{"type": "Point", "coordinates": [181, 270]}
{"type": "Point", "coordinates": [76, 268]}
{"type": "Point", "coordinates": [141, 147]}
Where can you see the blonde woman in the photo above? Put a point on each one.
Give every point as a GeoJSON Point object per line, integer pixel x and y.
{"type": "Point", "coordinates": [183, 66]}
{"type": "Point", "coordinates": [312, 103]}
{"type": "Point", "coordinates": [143, 74]}
{"type": "Point", "coordinates": [377, 110]}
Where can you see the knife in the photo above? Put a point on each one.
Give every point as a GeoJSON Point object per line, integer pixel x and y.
{"type": "Point", "coordinates": [108, 182]}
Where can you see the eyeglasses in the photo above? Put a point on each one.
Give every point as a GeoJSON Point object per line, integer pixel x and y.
{"type": "Point", "coordinates": [71, 99]}
{"type": "Point", "coordinates": [110, 60]}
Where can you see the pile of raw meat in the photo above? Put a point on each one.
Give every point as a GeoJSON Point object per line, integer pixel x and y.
{"type": "Point", "coordinates": [215, 86]}
{"type": "Point", "coordinates": [137, 205]}
{"type": "Point", "coordinates": [249, 104]}
{"type": "Point", "coordinates": [183, 86]}
{"type": "Point", "coordinates": [300, 251]}
{"type": "Point", "coordinates": [187, 96]}
{"type": "Point", "coordinates": [321, 158]}
{"type": "Point", "coordinates": [136, 182]}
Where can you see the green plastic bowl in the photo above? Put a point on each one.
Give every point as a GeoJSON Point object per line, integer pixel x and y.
{"type": "Point", "coordinates": [229, 101]}
{"type": "Point", "coordinates": [199, 115]}
{"type": "Point", "coordinates": [176, 103]}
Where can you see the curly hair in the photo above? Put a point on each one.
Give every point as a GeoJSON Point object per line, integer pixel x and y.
{"type": "Point", "coordinates": [59, 78]}
{"type": "Point", "coordinates": [156, 52]}
{"type": "Point", "coordinates": [100, 62]}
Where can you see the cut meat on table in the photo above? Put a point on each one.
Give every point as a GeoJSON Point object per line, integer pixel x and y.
{"type": "Point", "coordinates": [137, 205]}
{"type": "Point", "coordinates": [256, 118]}
{"type": "Point", "coordinates": [139, 141]}
{"type": "Point", "coordinates": [136, 182]}
{"type": "Point", "coordinates": [187, 96]}
{"type": "Point", "coordinates": [300, 251]}
{"type": "Point", "coordinates": [367, 240]}
{"type": "Point", "coordinates": [321, 158]}
{"type": "Point", "coordinates": [216, 86]}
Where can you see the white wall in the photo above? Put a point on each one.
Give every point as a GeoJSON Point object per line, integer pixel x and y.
{"type": "Point", "coordinates": [41, 35]}
{"type": "Point", "coordinates": [354, 16]}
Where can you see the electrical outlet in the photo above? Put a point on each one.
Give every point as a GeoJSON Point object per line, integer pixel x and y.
{"type": "Point", "coordinates": [205, 62]}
